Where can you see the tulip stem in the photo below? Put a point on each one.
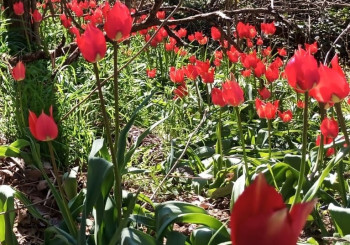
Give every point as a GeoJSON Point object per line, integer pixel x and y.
{"type": "Point", "coordinates": [26, 33]}
{"type": "Point", "coordinates": [340, 167]}
{"type": "Point", "coordinates": [116, 95]}
{"type": "Point", "coordinates": [269, 135]}
{"type": "Point", "coordinates": [117, 181]}
{"type": "Point", "coordinates": [198, 98]}
{"type": "Point", "coordinates": [55, 171]}
{"type": "Point", "coordinates": [243, 145]}
{"type": "Point", "coordinates": [303, 151]}
{"type": "Point", "coordinates": [320, 152]}
{"type": "Point", "coordinates": [219, 143]}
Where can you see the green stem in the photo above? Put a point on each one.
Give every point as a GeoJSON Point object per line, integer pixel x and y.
{"type": "Point", "coordinates": [55, 171]}
{"type": "Point", "coordinates": [340, 168]}
{"type": "Point", "coordinates": [26, 33]}
{"type": "Point", "coordinates": [116, 95]}
{"type": "Point", "coordinates": [303, 152]}
{"type": "Point", "coordinates": [243, 145]}
{"type": "Point", "coordinates": [199, 98]}
{"type": "Point", "coordinates": [21, 103]}
{"type": "Point", "coordinates": [269, 135]}
{"type": "Point", "coordinates": [117, 177]}
{"type": "Point", "coordinates": [219, 142]}
{"type": "Point", "coordinates": [320, 152]}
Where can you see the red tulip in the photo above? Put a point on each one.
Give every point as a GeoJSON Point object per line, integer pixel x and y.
{"type": "Point", "coordinates": [311, 48]}
{"type": "Point", "coordinates": [182, 32]}
{"type": "Point", "coordinates": [233, 55]}
{"type": "Point", "coordinates": [215, 33]}
{"type": "Point", "coordinates": [260, 216]}
{"type": "Point", "coordinates": [191, 37]}
{"type": "Point", "coordinates": [282, 51]}
{"type": "Point", "coordinates": [285, 116]}
{"type": "Point", "coordinates": [43, 128]}
{"type": "Point", "coordinates": [18, 8]}
{"type": "Point", "coordinates": [66, 22]}
{"type": "Point", "coordinates": [326, 140]}
{"type": "Point", "coordinates": [332, 87]}
{"type": "Point", "coordinates": [118, 22]}
{"type": "Point", "coordinates": [161, 15]}
{"type": "Point", "coordinates": [191, 72]}
{"type": "Point", "coordinates": [329, 128]}
{"type": "Point", "coordinates": [266, 110]}
{"type": "Point", "coordinates": [268, 28]}
{"type": "Point", "coordinates": [264, 93]}
{"type": "Point", "coordinates": [180, 91]}
{"type": "Point", "coordinates": [217, 97]}
{"type": "Point", "coordinates": [19, 71]}
{"type": "Point", "coordinates": [246, 73]}
{"type": "Point", "coordinates": [302, 71]}
{"type": "Point", "coordinates": [271, 73]}
{"type": "Point", "coordinates": [260, 69]}
{"type": "Point", "coordinates": [37, 17]}
{"type": "Point", "coordinates": [233, 94]}
{"type": "Point", "coordinates": [246, 30]}
{"type": "Point", "coordinates": [92, 44]}
{"type": "Point", "coordinates": [267, 51]}
{"type": "Point", "coordinates": [208, 77]}
{"type": "Point", "coordinates": [151, 73]}
{"type": "Point", "coordinates": [259, 41]}
{"type": "Point", "coordinates": [177, 75]}
{"type": "Point", "coordinates": [300, 104]}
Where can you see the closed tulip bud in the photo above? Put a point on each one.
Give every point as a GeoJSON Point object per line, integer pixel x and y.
{"type": "Point", "coordinates": [19, 72]}
{"type": "Point", "coordinates": [43, 128]}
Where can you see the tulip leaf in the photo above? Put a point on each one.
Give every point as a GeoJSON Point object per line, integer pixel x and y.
{"type": "Point", "coordinates": [7, 219]}
{"type": "Point", "coordinates": [203, 235]}
{"type": "Point", "coordinates": [341, 217]}
{"type": "Point", "coordinates": [175, 238]}
{"type": "Point", "coordinates": [121, 159]}
{"type": "Point", "coordinates": [330, 165]}
{"type": "Point", "coordinates": [96, 147]}
{"type": "Point", "coordinates": [135, 237]}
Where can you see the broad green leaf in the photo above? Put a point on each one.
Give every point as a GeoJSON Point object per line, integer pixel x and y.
{"type": "Point", "coordinates": [70, 184]}
{"type": "Point", "coordinates": [7, 219]}
{"type": "Point", "coordinates": [341, 217]}
{"type": "Point", "coordinates": [237, 189]}
{"type": "Point", "coordinates": [135, 237]}
{"type": "Point", "coordinates": [175, 238]}
{"type": "Point", "coordinates": [96, 147]}
{"type": "Point", "coordinates": [167, 212]}
{"type": "Point", "coordinates": [32, 210]}
{"type": "Point", "coordinates": [56, 236]}
{"type": "Point", "coordinates": [203, 235]}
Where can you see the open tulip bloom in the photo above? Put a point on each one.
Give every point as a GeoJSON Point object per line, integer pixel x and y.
{"type": "Point", "coordinates": [260, 216]}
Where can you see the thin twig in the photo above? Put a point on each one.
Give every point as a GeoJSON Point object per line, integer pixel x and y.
{"type": "Point", "coordinates": [335, 42]}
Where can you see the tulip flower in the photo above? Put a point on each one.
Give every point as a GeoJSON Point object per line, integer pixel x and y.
{"type": "Point", "coordinates": [18, 8]}
{"type": "Point", "coordinates": [43, 128]}
{"type": "Point", "coordinates": [92, 44]}
{"type": "Point", "coordinates": [233, 93]}
{"type": "Point", "coordinates": [282, 51]}
{"type": "Point", "coordinates": [302, 71]}
{"type": "Point", "coordinates": [268, 28]}
{"type": "Point", "coordinates": [37, 17]}
{"type": "Point", "coordinates": [259, 42]}
{"type": "Point", "coordinates": [118, 22]}
{"type": "Point", "coordinates": [182, 32]}
{"type": "Point", "coordinates": [217, 97]}
{"type": "Point", "coordinates": [177, 75]}
{"type": "Point", "coordinates": [151, 73]}
{"type": "Point", "coordinates": [272, 73]}
{"type": "Point", "coordinates": [311, 48]}
{"type": "Point", "coordinates": [329, 128]}
{"type": "Point", "coordinates": [285, 116]}
{"type": "Point", "coordinates": [264, 93]}
{"type": "Point", "coordinates": [333, 86]}
{"type": "Point", "coordinates": [260, 216]}
{"type": "Point", "coordinates": [215, 33]}
{"type": "Point", "coordinates": [266, 110]}
{"type": "Point", "coordinates": [19, 71]}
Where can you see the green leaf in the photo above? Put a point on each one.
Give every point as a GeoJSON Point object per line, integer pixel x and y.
{"type": "Point", "coordinates": [70, 184]}
{"type": "Point", "coordinates": [32, 210]}
{"type": "Point", "coordinates": [203, 235]}
{"type": "Point", "coordinates": [176, 238]}
{"type": "Point", "coordinates": [132, 149]}
{"type": "Point", "coordinates": [341, 217]}
{"type": "Point", "coordinates": [96, 147]}
{"type": "Point", "coordinates": [167, 212]}
{"type": "Point", "coordinates": [7, 219]}
{"type": "Point", "coordinates": [330, 165]}
{"type": "Point", "coordinates": [56, 236]}
{"type": "Point", "coordinates": [237, 189]}
{"type": "Point", "coordinates": [135, 237]}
